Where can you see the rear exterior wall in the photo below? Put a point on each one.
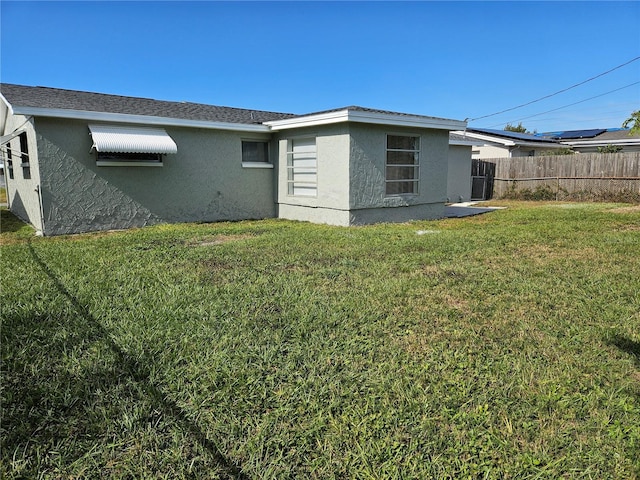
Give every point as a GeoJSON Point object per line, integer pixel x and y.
{"type": "Point", "coordinates": [204, 182]}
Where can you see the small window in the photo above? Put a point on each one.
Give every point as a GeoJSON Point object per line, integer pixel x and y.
{"type": "Point", "coordinates": [109, 159]}
{"type": "Point", "coordinates": [402, 165]}
{"type": "Point", "coordinates": [9, 161]}
{"type": "Point", "coordinates": [255, 151]}
{"type": "Point", "coordinates": [24, 154]}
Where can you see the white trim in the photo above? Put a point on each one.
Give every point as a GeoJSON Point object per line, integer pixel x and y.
{"type": "Point", "coordinates": [347, 115]}
{"type": "Point", "coordinates": [603, 143]}
{"type": "Point", "coordinates": [257, 165]}
{"type": "Point", "coordinates": [6, 102]}
{"type": "Point", "coordinates": [507, 143]}
{"type": "Point", "coordinates": [136, 119]}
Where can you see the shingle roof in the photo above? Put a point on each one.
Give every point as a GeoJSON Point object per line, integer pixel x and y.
{"type": "Point", "coordinates": [357, 108]}
{"type": "Point", "coordinates": [55, 98]}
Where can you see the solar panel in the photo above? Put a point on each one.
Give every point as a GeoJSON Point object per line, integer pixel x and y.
{"type": "Point", "coordinates": [572, 134]}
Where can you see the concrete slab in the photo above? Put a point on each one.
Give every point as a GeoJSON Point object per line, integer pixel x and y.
{"type": "Point", "coordinates": [466, 209]}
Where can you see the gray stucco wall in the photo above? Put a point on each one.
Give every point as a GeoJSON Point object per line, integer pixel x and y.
{"type": "Point", "coordinates": [205, 181]}
{"type": "Point", "coordinates": [459, 176]}
{"type": "Point", "coordinates": [351, 176]}
{"type": "Point", "coordinates": [331, 205]}
{"type": "Point", "coordinates": [368, 200]}
{"type": "Point", "coordinates": [23, 189]}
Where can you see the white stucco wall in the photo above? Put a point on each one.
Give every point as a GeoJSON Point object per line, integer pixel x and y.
{"type": "Point", "coordinates": [204, 181]}
{"type": "Point", "coordinates": [23, 190]}
{"type": "Point", "coordinates": [459, 174]}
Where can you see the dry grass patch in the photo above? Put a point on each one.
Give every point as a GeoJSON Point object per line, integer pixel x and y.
{"type": "Point", "coordinates": [630, 209]}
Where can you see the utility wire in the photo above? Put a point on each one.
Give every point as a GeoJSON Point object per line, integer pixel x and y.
{"type": "Point", "coordinates": [558, 92]}
{"type": "Point", "coordinates": [572, 104]}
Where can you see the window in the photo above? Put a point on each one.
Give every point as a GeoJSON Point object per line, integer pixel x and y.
{"type": "Point", "coordinates": [24, 154]}
{"type": "Point", "coordinates": [402, 165]}
{"type": "Point", "coordinates": [302, 167]}
{"type": "Point", "coordinates": [9, 161]}
{"type": "Point", "coordinates": [133, 159]}
{"type": "Point", "coordinates": [255, 153]}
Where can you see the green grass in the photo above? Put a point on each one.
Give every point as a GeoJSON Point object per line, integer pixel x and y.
{"type": "Point", "coordinates": [500, 346]}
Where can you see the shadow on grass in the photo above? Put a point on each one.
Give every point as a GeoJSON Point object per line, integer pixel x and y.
{"type": "Point", "coordinates": [102, 399]}
{"type": "Point", "coordinates": [9, 223]}
{"type": "Point", "coordinates": [628, 346]}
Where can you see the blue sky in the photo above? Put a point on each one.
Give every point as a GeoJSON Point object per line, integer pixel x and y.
{"type": "Point", "coordinates": [447, 59]}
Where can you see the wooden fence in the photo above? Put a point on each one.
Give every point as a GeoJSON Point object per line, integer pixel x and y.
{"type": "Point", "coordinates": [582, 176]}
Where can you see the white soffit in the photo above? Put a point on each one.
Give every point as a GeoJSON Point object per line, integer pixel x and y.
{"type": "Point", "coordinates": [119, 139]}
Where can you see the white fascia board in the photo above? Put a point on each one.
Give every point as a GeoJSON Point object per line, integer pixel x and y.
{"type": "Point", "coordinates": [486, 138]}
{"type": "Point", "coordinates": [506, 142]}
{"type": "Point", "coordinates": [6, 102]}
{"type": "Point", "coordinates": [137, 119]}
{"type": "Point", "coordinates": [366, 117]}
{"type": "Point", "coordinates": [601, 143]}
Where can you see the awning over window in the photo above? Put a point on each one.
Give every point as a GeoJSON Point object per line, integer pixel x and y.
{"type": "Point", "coordinates": [119, 139]}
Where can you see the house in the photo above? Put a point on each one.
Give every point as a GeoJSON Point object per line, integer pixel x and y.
{"type": "Point", "coordinates": [506, 144]}
{"type": "Point", "coordinates": [81, 161]}
{"type": "Point", "coordinates": [597, 139]}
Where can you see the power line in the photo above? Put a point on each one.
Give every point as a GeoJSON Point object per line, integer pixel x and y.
{"type": "Point", "coordinates": [558, 92]}
{"type": "Point", "coordinates": [575, 103]}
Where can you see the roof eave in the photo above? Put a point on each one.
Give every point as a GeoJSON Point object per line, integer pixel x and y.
{"type": "Point", "coordinates": [137, 119]}
{"type": "Point", "coordinates": [603, 143]}
{"type": "Point", "coordinates": [366, 117]}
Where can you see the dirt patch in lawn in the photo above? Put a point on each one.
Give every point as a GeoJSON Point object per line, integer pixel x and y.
{"type": "Point", "coordinates": [632, 209]}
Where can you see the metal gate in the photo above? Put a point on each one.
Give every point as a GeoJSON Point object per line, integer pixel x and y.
{"type": "Point", "coordinates": [482, 175]}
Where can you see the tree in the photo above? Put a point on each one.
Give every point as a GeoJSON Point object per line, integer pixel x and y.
{"type": "Point", "coordinates": [634, 122]}
{"type": "Point", "coordinates": [516, 128]}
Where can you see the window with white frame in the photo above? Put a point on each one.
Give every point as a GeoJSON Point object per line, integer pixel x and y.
{"type": "Point", "coordinates": [255, 152]}
{"type": "Point", "coordinates": [402, 164]}
{"type": "Point", "coordinates": [302, 167]}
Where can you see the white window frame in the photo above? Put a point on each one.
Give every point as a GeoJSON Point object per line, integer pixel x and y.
{"type": "Point", "coordinates": [265, 164]}
{"type": "Point", "coordinates": [415, 166]}
{"type": "Point", "coordinates": [310, 167]}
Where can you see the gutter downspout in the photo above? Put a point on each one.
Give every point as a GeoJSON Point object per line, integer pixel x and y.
{"type": "Point", "coordinates": [41, 209]}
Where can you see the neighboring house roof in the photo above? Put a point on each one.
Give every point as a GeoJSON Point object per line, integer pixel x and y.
{"type": "Point", "coordinates": [461, 140]}
{"type": "Point", "coordinates": [54, 102]}
{"type": "Point", "coordinates": [597, 137]}
{"type": "Point", "coordinates": [507, 139]}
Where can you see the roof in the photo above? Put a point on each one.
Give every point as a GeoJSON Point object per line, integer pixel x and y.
{"type": "Point", "coordinates": [461, 140]}
{"type": "Point", "coordinates": [55, 102]}
{"type": "Point", "coordinates": [507, 138]}
{"type": "Point", "coordinates": [526, 137]}
{"type": "Point", "coordinates": [60, 99]}
{"type": "Point", "coordinates": [574, 134]}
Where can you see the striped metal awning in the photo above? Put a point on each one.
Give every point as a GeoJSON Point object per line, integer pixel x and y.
{"type": "Point", "coordinates": [119, 139]}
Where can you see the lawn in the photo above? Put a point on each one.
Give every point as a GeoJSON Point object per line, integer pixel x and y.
{"type": "Point", "coordinates": [500, 346]}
